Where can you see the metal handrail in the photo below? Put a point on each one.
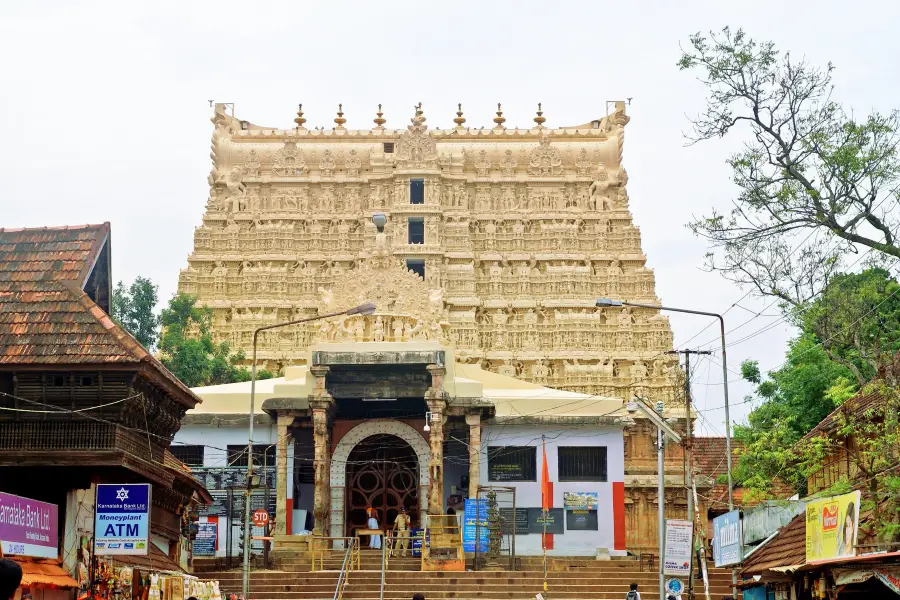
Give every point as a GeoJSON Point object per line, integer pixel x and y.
{"type": "Point", "coordinates": [317, 550]}
{"type": "Point", "coordinates": [346, 567]}
{"type": "Point", "coordinates": [385, 556]}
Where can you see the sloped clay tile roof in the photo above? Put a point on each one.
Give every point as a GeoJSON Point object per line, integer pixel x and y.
{"type": "Point", "coordinates": [858, 405]}
{"type": "Point", "coordinates": [45, 316]}
{"type": "Point", "coordinates": [787, 549]}
{"type": "Point", "coordinates": [709, 455]}
{"type": "Point", "coordinates": [709, 461]}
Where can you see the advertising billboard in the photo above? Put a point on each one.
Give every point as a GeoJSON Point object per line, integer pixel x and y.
{"type": "Point", "coordinates": [832, 525]}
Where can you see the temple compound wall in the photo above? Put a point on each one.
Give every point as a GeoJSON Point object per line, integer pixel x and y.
{"type": "Point", "coordinates": [494, 244]}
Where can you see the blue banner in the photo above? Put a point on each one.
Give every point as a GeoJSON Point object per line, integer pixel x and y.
{"type": "Point", "coordinates": [122, 519]}
{"type": "Point", "coordinates": [727, 539]}
{"type": "Point", "coordinates": [475, 523]}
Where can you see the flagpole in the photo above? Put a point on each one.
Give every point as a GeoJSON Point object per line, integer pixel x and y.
{"type": "Point", "coordinates": [545, 502]}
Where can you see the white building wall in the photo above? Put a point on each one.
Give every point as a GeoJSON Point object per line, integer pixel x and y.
{"type": "Point", "coordinates": [528, 494]}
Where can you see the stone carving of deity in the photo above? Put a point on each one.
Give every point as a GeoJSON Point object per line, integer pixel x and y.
{"type": "Point", "coordinates": [378, 329]}
{"type": "Point", "coordinates": [483, 164]}
{"type": "Point", "coordinates": [327, 163]}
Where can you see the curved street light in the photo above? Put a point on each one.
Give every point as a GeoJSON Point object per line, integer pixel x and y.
{"type": "Point", "coordinates": [363, 309]}
{"type": "Point", "coordinates": [607, 302]}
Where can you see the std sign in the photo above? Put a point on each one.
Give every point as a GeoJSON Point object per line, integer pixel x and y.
{"type": "Point", "coordinates": [122, 519]}
{"type": "Point", "coordinates": [727, 539]}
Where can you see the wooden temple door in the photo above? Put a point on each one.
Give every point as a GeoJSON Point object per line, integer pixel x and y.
{"type": "Point", "coordinates": [383, 474]}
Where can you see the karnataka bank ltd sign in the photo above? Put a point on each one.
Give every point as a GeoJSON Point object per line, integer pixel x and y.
{"type": "Point", "coordinates": [28, 527]}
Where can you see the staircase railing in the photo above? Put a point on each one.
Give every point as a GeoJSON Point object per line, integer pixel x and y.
{"type": "Point", "coordinates": [386, 552]}
{"type": "Point", "coordinates": [351, 556]}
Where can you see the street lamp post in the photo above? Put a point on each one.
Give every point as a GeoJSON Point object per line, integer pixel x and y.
{"type": "Point", "coordinates": [608, 302]}
{"type": "Point", "coordinates": [362, 309]}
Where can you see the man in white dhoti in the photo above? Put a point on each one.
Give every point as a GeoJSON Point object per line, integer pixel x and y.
{"type": "Point", "coordinates": [374, 540]}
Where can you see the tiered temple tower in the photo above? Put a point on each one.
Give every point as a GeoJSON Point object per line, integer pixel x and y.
{"type": "Point", "coordinates": [522, 229]}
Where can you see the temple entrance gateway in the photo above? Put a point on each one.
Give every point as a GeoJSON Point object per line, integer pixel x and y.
{"type": "Point", "coordinates": [382, 473]}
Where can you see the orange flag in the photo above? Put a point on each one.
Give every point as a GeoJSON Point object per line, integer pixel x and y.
{"type": "Point", "coordinates": [546, 490]}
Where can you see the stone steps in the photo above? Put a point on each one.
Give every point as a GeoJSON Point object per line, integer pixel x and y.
{"type": "Point", "coordinates": [588, 580]}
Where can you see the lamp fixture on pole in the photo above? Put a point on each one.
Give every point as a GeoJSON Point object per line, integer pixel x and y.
{"type": "Point", "coordinates": [607, 302]}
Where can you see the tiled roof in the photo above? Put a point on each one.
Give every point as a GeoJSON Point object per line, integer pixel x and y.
{"type": "Point", "coordinates": [858, 405]}
{"type": "Point", "coordinates": [786, 549]}
{"type": "Point", "coordinates": [45, 316]}
{"type": "Point", "coordinates": [709, 461]}
{"type": "Point", "coordinates": [709, 455]}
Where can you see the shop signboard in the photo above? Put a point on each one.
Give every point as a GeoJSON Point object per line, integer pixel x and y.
{"type": "Point", "coordinates": [205, 542]}
{"type": "Point", "coordinates": [727, 547]}
{"type": "Point", "coordinates": [475, 524]}
{"type": "Point", "coordinates": [28, 527]}
{"type": "Point", "coordinates": [831, 527]}
{"type": "Point", "coordinates": [122, 519]}
{"type": "Point", "coordinates": [581, 500]}
{"type": "Point", "coordinates": [679, 537]}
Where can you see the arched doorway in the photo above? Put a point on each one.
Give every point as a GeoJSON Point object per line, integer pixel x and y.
{"type": "Point", "coordinates": [382, 473]}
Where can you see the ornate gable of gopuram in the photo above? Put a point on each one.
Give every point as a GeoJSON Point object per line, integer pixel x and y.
{"type": "Point", "coordinates": [406, 310]}
{"type": "Point", "coordinates": [516, 233]}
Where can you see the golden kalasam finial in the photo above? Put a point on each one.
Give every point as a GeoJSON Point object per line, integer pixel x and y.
{"type": "Point", "coordinates": [379, 118]}
{"type": "Point", "coordinates": [499, 119]}
{"type": "Point", "coordinates": [460, 119]}
{"type": "Point", "coordinates": [539, 119]}
{"type": "Point", "coordinates": [340, 120]}
{"type": "Point", "coordinates": [299, 120]}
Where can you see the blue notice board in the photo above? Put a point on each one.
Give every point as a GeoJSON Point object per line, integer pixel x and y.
{"type": "Point", "coordinates": [727, 538]}
{"type": "Point", "coordinates": [475, 523]}
{"type": "Point", "coordinates": [205, 542]}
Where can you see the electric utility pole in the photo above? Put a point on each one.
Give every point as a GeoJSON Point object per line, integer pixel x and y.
{"type": "Point", "coordinates": [688, 449]}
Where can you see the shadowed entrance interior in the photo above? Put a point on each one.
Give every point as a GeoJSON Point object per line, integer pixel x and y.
{"type": "Point", "coordinates": [382, 473]}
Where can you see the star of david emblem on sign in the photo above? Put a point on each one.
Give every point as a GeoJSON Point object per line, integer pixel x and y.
{"type": "Point", "coordinates": [122, 494]}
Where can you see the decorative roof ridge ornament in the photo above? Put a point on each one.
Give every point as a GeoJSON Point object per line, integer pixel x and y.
{"type": "Point", "coordinates": [460, 119]}
{"type": "Point", "coordinates": [340, 120]}
{"type": "Point", "coordinates": [419, 118]}
{"type": "Point", "coordinates": [379, 119]}
{"type": "Point", "coordinates": [299, 120]}
{"type": "Point", "coordinates": [540, 119]}
{"type": "Point", "coordinates": [499, 119]}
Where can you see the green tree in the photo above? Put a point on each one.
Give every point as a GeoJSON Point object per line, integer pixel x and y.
{"type": "Point", "coordinates": [847, 336]}
{"type": "Point", "coordinates": [814, 182]}
{"type": "Point", "coordinates": [188, 349]}
{"type": "Point", "coordinates": [857, 320]}
{"type": "Point", "coordinates": [133, 308]}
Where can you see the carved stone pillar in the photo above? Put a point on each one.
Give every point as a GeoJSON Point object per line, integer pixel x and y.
{"type": "Point", "coordinates": [285, 439]}
{"type": "Point", "coordinates": [474, 422]}
{"type": "Point", "coordinates": [321, 404]}
{"type": "Point", "coordinates": [436, 401]}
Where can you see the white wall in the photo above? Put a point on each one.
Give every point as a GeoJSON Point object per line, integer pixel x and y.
{"type": "Point", "coordinates": [217, 439]}
{"type": "Point", "coordinates": [528, 494]}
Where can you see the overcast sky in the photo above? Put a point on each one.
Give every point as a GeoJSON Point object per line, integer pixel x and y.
{"type": "Point", "coordinates": [105, 110]}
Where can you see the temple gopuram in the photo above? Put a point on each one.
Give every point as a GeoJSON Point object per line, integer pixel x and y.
{"type": "Point", "coordinates": [495, 245]}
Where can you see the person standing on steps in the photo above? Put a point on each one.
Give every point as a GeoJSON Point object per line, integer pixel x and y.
{"type": "Point", "coordinates": [401, 527]}
{"type": "Point", "coordinates": [374, 539]}
{"type": "Point", "coordinates": [633, 594]}
{"type": "Point", "coordinates": [418, 596]}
